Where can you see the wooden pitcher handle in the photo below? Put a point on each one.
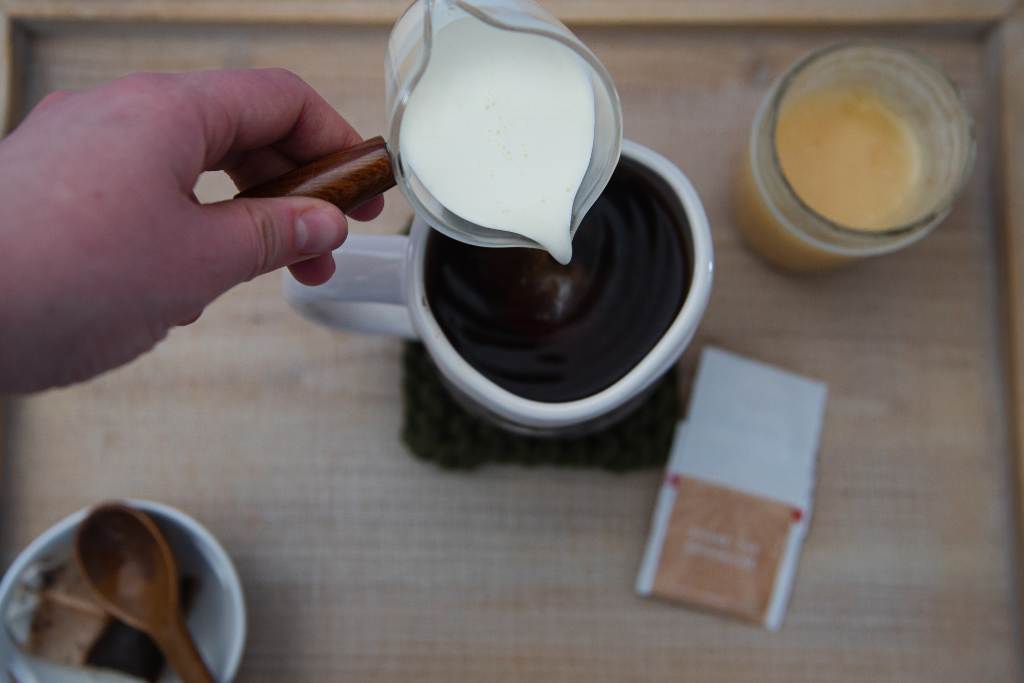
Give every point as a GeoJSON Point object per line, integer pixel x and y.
{"type": "Point", "coordinates": [346, 179]}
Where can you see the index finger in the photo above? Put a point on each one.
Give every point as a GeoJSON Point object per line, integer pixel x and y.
{"type": "Point", "coordinates": [246, 109]}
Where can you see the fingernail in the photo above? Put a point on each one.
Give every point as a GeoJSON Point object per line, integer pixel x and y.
{"type": "Point", "coordinates": [189, 321]}
{"type": "Point", "coordinates": [319, 230]}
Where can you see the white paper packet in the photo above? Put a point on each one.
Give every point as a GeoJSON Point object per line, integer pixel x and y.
{"type": "Point", "coordinates": [736, 501]}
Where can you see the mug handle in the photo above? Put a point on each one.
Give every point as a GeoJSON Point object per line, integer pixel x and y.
{"type": "Point", "coordinates": [367, 291]}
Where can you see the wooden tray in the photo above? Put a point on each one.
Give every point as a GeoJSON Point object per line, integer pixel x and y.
{"type": "Point", "coordinates": [361, 564]}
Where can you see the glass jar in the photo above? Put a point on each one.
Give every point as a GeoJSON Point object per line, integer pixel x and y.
{"type": "Point", "coordinates": [783, 228]}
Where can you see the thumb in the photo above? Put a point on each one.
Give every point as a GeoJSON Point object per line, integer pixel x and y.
{"type": "Point", "coordinates": [257, 236]}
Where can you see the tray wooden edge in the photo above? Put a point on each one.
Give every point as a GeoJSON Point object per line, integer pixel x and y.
{"type": "Point", "coordinates": [6, 122]}
{"type": "Point", "coordinates": [579, 12]}
{"type": "Point", "coordinates": [16, 16]}
{"type": "Point", "coordinates": [1006, 15]}
{"type": "Point", "coordinates": [1010, 49]}
{"type": "Point", "coordinates": [6, 71]}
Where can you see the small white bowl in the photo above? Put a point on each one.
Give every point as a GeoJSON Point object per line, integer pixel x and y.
{"type": "Point", "coordinates": [217, 616]}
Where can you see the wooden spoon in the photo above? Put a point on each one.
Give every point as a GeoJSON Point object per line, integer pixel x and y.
{"type": "Point", "coordinates": [127, 563]}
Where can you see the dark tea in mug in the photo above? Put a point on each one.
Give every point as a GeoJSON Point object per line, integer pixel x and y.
{"type": "Point", "coordinates": [556, 333]}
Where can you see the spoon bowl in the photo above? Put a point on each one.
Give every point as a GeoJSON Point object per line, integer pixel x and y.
{"type": "Point", "coordinates": [123, 555]}
{"type": "Point", "coordinates": [127, 563]}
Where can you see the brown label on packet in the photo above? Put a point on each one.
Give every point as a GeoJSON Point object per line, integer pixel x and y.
{"type": "Point", "coordinates": [722, 549]}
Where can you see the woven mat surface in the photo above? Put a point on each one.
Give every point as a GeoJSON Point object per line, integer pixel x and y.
{"type": "Point", "coordinates": [436, 428]}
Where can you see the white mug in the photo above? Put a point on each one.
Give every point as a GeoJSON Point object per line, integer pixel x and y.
{"type": "Point", "coordinates": [378, 288]}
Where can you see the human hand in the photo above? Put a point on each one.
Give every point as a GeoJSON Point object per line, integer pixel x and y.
{"type": "Point", "coordinates": [103, 245]}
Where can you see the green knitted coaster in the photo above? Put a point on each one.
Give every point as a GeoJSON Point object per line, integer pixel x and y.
{"type": "Point", "coordinates": [439, 430]}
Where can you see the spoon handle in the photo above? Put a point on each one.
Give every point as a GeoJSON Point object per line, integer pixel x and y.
{"type": "Point", "coordinates": [180, 651]}
{"type": "Point", "coordinates": [346, 178]}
